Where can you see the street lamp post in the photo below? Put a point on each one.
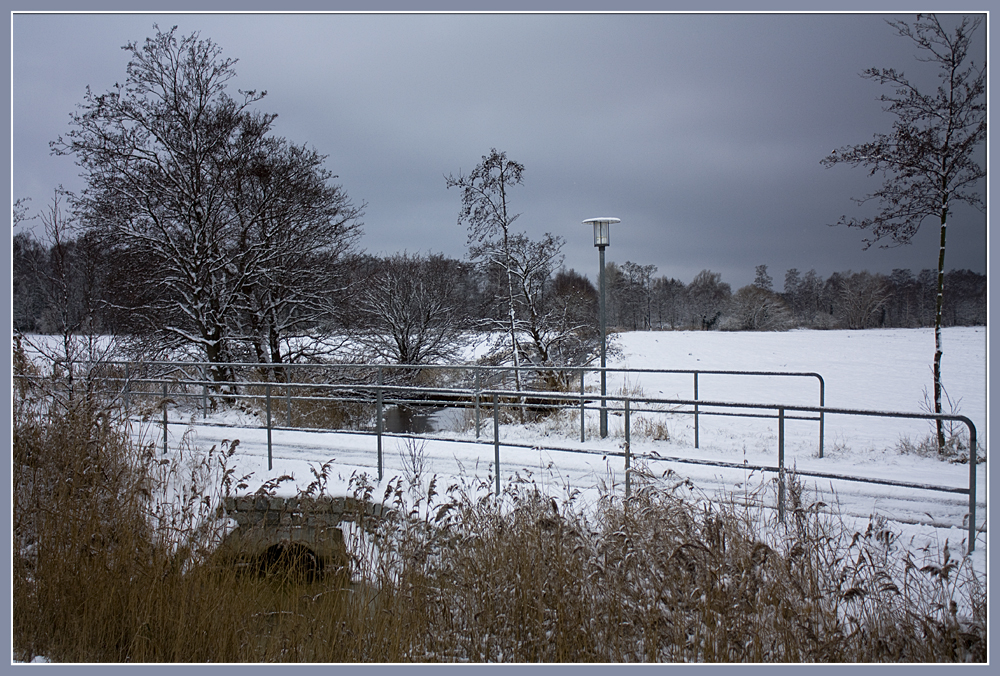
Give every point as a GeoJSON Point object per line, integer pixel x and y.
{"type": "Point", "coordinates": [601, 240]}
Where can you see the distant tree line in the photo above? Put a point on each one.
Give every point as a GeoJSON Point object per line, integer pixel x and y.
{"type": "Point", "coordinates": [637, 300]}
{"type": "Point", "coordinates": [413, 308]}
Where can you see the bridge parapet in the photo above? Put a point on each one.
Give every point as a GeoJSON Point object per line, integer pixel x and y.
{"type": "Point", "coordinates": [249, 510]}
{"type": "Point", "coordinates": [302, 532]}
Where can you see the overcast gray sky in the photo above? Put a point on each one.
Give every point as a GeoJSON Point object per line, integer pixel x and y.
{"type": "Point", "coordinates": [703, 133]}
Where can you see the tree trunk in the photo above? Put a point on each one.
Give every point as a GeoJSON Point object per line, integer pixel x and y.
{"type": "Point", "coordinates": [510, 294]}
{"type": "Point", "coordinates": [513, 326]}
{"type": "Point", "coordinates": [256, 332]}
{"type": "Point", "coordinates": [217, 354]}
{"type": "Point", "coordinates": [937, 328]}
{"type": "Point", "coordinates": [274, 341]}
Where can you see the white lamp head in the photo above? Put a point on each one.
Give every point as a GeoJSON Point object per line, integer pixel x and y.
{"type": "Point", "coordinates": [601, 229]}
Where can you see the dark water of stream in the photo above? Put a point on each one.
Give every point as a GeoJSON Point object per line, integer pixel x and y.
{"type": "Point", "coordinates": [416, 419]}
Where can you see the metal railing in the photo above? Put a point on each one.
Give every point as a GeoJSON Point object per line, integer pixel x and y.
{"type": "Point", "coordinates": [477, 379]}
{"type": "Point", "coordinates": [187, 380]}
{"type": "Point", "coordinates": [781, 412]}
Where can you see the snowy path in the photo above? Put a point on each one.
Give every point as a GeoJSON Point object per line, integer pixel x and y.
{"type": "Point", "coordinates": [294, 451]}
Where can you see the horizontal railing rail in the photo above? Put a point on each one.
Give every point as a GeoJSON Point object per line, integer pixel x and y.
{"type": "Point", "coordinates": [482, 377]}
{"type": "Point", "coordinates": [781, 411]}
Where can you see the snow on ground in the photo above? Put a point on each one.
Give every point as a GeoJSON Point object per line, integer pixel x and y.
{"type": "Point", "coordinates": [887, 370]}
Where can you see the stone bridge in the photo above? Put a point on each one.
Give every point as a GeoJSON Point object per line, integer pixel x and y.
{"type": "Point", "coordinates": [301, 535]}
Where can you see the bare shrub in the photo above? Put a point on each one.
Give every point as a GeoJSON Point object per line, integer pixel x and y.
{"type": "Point", "coordinates": [412, 455]}
{"type": "Point", "coordinates": [949, 441]}
{"type": "Point", "coordinates": [650, 428]}
{"type": "Point", "coordinates": [315, 407]}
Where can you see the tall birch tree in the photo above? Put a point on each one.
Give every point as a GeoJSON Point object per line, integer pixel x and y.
{"type": "Point", "coordinates": [930, 160]}
{"type": "Point", "coordinates": [486, 210]}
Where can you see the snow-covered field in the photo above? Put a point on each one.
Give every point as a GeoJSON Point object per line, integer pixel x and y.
{"type": "Point", "coordinates": [886, 370]}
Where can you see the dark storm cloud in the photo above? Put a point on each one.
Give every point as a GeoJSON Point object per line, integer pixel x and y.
{"type": "Point", "coordinates": [703, 133]}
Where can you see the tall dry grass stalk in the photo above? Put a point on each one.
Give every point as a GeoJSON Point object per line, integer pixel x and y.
{"type": "Point", "coordinates": [665, 577]}
{"type": "Point", "coordinates": [103, 572]}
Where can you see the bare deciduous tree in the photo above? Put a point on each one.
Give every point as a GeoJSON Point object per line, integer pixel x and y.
{"type": "Point", "coordinates": [709, 297]}
{"type": "Point", "coordinates": [930, 159]}
{"type": "Point", "coordinates": [758, 309]}
{"type": "Point", "coordinates": [486, 209]}
{"type": "Point", "coordinates": [185, 180]}
{"type": "Point", "coordinates": [862, 299]}
{"type": "Point", "coordinates": [670, 301]}
{"type": "Point", "coordinates": [572, 311]}
{"type": "Point", "coordinates": [296, 226]}
{"type": "Point", "coordinates": [157, 153]}
{"type": "Point", "coordinates": [414, 309]}
{"type": "Point", "coordinates": [632, 288]}
{"type": "Point", "coordinates": [64, 274]}
{"type": "Point", "coordinates": [559, 333]}
{"type": "Point", "coordinates": [555, 325]}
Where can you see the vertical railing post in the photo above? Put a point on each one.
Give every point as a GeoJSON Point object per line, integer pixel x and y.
{"type": "Point", "coordinates": [267, 407]}
{"type": "Point", "coordinates": [204, 393]}
{"type": "Point", "coordinates": [822, 415]}
{"type": "Point", "coordinates": [604, 403]}
{"type": "Point", "coordinates": [288, 396]}
{"type": "Point", "coordinates": [696, 440]}
{"type": "Point", "coordinates": [164, 417]}
{"type": "Point", "coordinates": [628, 453]}
{"type": "Point", "coordinates": [478, 386]}
{"type": "Point", "coordinates": [583, 420]}
{"type": "Point", "coordinates": [496, 439]}
{"type": "Point", "coordinates": [128, 386]}
{"type": "Point", "coordinates": [378, 420]}
{"type": "Point", "coordinates": [972, 486]}
{"type": "Point", "coordinates": [781, 465]}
